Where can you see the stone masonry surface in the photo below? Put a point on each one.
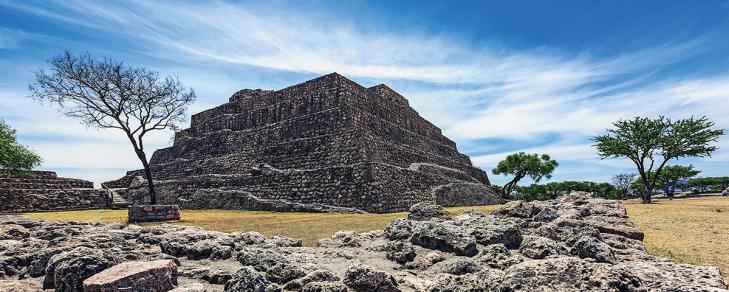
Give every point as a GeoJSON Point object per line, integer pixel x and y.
{"type": "Point", "coordinates": [45, 191]}
{"type": "Point", "coordinates": [150, 213]}
{"type": "Point", "coordinates": [574, 243]}
{"type": "Point", "coordinates": [324, 143]}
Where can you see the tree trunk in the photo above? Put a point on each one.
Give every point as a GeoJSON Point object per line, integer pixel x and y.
{"type": "Point", "coordinates": [148, 175]}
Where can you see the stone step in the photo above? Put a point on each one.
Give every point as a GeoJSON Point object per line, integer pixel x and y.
{"type": "Point", "coordinates": [117, 201]}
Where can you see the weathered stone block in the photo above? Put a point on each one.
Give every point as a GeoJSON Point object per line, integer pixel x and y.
{"type": "Point", "coordinates": [150, 276]}
{"type": "Point", "coordinates": [152, 213]}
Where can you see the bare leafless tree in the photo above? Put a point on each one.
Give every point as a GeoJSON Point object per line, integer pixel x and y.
{"type": "Point", "coordinates": [105, 93]}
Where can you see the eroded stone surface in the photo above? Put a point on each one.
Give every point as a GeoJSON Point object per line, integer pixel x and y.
{"type": "Point", "coordinates": [524, 246]}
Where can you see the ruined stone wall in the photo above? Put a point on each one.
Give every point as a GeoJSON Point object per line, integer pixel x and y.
{"type": "Point", "coordinates": [124, 181]}
{"type": "Point", "coordinates": [45, 191]}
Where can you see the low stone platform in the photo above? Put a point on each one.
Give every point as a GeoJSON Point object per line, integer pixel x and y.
{"type": "Point", "coordinates": [152, 213]}
{"type": "Point", "coordinates": [45, 191]}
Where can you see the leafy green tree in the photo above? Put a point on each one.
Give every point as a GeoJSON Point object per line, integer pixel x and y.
{"type": "Point", "coordinates": [651, 143]}
{"type": "Point", "coordinates": [15, 158]}
{"type": "Point", "coordinates": [521, 165]}
{"type": "Point", "coordinates": [110, 94]}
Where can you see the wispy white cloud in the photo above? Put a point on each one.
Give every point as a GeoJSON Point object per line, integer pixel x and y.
{"type": "Point", "coordinates": [473, 91]}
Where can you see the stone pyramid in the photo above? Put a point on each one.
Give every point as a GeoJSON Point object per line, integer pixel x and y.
{"type": "Point", "coordinates": [327, 144]}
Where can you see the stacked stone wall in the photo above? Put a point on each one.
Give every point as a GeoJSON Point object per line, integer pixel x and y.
{"type": "Point", "coordinates": [124, 181]}
{"type": "Point", "coordinates": [52, 200]}
{"type": "Point", "coordinates": [45, 191]}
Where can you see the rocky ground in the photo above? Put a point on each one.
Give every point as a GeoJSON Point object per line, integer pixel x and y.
{"type": "Point", "coordinates": [575, 243]}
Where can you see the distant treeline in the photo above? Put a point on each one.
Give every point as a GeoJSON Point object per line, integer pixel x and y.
{"type": "Point", "coordinates": [553, 190]}
{"type": "Point", "coordinates": [712, 183]}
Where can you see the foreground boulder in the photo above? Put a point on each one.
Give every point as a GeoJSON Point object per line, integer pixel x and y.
{"type": "Point", "coordinates": [574, 243]}
{"type": "Point", "coordinates": [363, 278]}
{"type": "Point", "coordinates": [150, 276]}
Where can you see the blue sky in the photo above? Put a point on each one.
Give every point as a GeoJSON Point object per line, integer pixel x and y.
{"type": "Point", "coordinates": [497, 77]}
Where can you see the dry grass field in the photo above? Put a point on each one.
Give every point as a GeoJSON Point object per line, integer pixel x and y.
{"type": "Point", "coordinates": [694, 231]}
{"type": "Point", "coordinates": [310, 227]}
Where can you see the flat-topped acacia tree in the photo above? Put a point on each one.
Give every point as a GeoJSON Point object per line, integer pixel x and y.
{"type": "Point", "coordinates": [106, 93]}
{"type": "Point", "coordinates": [651, 143]}
{"type": "Point", "coordinates": [521, 165]}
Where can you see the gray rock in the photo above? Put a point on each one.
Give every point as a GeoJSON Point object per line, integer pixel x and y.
{"type": "Point", "coordinates": [484, 280]}
{"type": "Point", "coordinates": [497, 256]}
{"type": "Point", "coordinates": [247, 279]}
{"type": "Point", "coordinates": [248, 238]}
{"type": "Point", "coordinates": [567, 274]}
{"type": "Point", "coordinates": [13, 231]}
{"type": "Point", "coordinates": [537, 247]}
{"type": "Point", "coordinates": [18, 286]}
{"type": "Point", "coordinates": [459, 266]}
{"type": "Point", "coordinates": [400, 252]}
{"type": "Point", "coordinates": [67, 271]}
{"type": "Point", "coordinates": [426, 211]}
{"type": "Point", "coordinates": [261, 259]}
{"type": "Point", "coordinates": [197, 245]}
{"type": "Point", "coordinates": [402, 229]}
{"type": "Point", "coordinates": [590, 247]}
{"type": "Point", "coordinates": [444, 237]}
{"type": "Point", "coordinates": [489, 229]}
{"type": "Point", "coordinates": [284, 272]}
{"type": "Point", "coordinates": [324, 287]}
{"type": "Point", "coordinates": [315, 276]}
{"type": "Point", "coordinates": [192, 287]}
{"type": "Point", "coordinates": [362, 278]}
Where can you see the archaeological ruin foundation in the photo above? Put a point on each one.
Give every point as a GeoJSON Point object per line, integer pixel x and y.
{"type": "Point", "coordinates": [327, 144]}
{"type": "Point", "coordinates": [45, 191]}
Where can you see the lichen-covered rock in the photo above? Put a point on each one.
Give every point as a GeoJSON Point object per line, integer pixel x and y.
{"type": "Point", "coordinates": [538, 247]}
{"type": "Point", "coordinates": [497, 256]}
{"type": "Point", "coordinates": [261, 259]}
{"type": "Point", "coordinates": [13, 231]}
{"type": "Point", "coordinates": [247, 279]}
{"type": "Point", "coordinates": [426, 211]}
{"type": "Point", "coordinates": [315, 276]}
{"type": "Point", "coordinates": [483, 280]}
{"type": "Point", "coordinates": [400, 252]}
{"type": "Point", "coordinates": [590, 247]}
{"type": "Point", "coordinates": [445, 237]}
{"type": "Point", "coordinates": [403, 229]}
{"type": "Point", "coordinates": [567, 274]}
{"type": "Point", "coordinates": [284, 272]}
{"type": "Point", "coordinates": [489, 229]}
{"type": "Point", "coordinates": [459, 266]}
{"type": "Point", "coordinates": [69, 274]}
{"type": "Point", "coordinates": [362, 278]}
{"type": "Point", "coordinates": [341, 239]}
{"type": "Point", "coordinates": [248, 238]}
{"type": "Point", "coordinates": [324, 287]}
{"type": "Point", "coordinates": [67, 271]}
